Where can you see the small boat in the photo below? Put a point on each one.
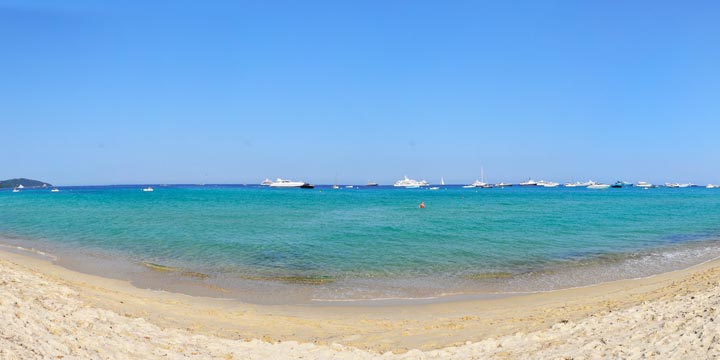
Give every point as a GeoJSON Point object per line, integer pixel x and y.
{"type": "Point", "coordinates": [434, 188]}
{"type": "Point", "coordinates": [468, 186]}
{"type": "Point", "coordinates": [710, 186]}
{"type": "Point", "coordinates": [307, 186]}
{"type": "Point", "coordinates": [20, 186]}
{"type": "Point", "coordinates": [266, 182]}
{"type": "Point", "coordinates": [372, 184]}
{"type": "Point", "coordinates": [15, 189]}
{"type": "Point", "coordinates": [672, 185]}
{"type": "Point", "coordinates": [618, 184]}
{"type": "Point", "coordinates": [529, 182]}
{"type": "Point", "coordinates": [598, 186]}
{"type": "Point", "coordinates": [502, 184]}
{"type": "Point", "coordinates": [148, 189]}
{"type": "Point", "coordinates": [349, 187]}
{"type": "Point", "coordinates": [644, 184]}
{"type": "Point", "coordinates": [442, 181]}
{"type": "Point", "coordinates": [55, 190]}
{"type": "Point", "coordinates": [335, 187]}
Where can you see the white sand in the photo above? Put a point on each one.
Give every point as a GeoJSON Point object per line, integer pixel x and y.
{"type": "Point", "coordinates": [42, 316]}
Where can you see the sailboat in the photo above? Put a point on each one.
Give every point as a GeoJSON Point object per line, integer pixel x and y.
{"type": "Point", "coordinates": [442, 181]}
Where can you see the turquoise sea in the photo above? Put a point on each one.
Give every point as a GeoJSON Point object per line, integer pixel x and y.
{"type": "Point", "coordinates": [322, 245]}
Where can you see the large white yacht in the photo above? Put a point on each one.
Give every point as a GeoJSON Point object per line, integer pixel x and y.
{"type": "Point", "coordinates": [282, 183]}
{"type": "Point", "coordinates": [410, 183]}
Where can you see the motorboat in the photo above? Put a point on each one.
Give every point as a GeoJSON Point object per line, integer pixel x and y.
{"type": "Point", "coordinates": [372, 184]}
{"type": "Point", "coordinates": [434, 188]}
{"type": "Point", "coordinates": [598, 186]}
{"type": "Point", "coordinates": [620, 184]}
{"type": "Point", "coordinates": [349, 187]}
{"type": "Point", "coordinates": [686, 185]}
{"type": "Point", "coordinates": [502, 184]}
{"type": "Point", "coordinates": [529, 182]}
{"type": "Point", "coordinates": [266, 182]}
{"type": "Point", "coordinates": [410, 183]}
{"type": "Point", "coordinates": [335, 187]}
{"type": "Point", "coordinates": [548, 184]}
{"type": "Point", "coordinates": [282, 183]}
{"type": "Point", "coordinates": [15, 190]}
{"type": "Point", "coordinates": [644, 184]}
{"type": "Point", "coordinates": [148, 189]}
{"type": "Point", "coordinates": [580, 184]}
{"type": "Point", "coordinates": [711, 186]}
{"type": "Point", "coordinates": [55, 190]}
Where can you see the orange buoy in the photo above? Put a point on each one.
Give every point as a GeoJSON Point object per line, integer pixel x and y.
{"type": "Point", "coordinates": [422, 205]}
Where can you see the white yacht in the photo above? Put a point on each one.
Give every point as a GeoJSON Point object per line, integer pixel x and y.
{"type": "Point", "coordinates": [336, 187]}
{"type": "Point", "coordinates": [20, 186]}
{"type": "Point", "coordinates": [644, 184]}
{"type": "Point", "coordinates": [479, 183]}
{"type": "Point", "coordinates": [282, 183]}
{"type": "Point", "coordinates": [410, 183]}
{"type": "Point", "coordinates": [475, 184]}
{"type": "Point", "coordinates": [548, 184]}
{"type": "Point", "coordinates": [711, 186]}
{"type": "Point", "coordinates": [598, 186]}
{"type": "Point", "coordinates": [55, 190]}
{"type": "Point", "coordinates": [148, 189]}
{"type": "Point", "coordinates": [580, 184]}
{"type": "Point", "coordinates": [529, 182]}
{"type": "Point", "coordinates": [502, 184]}
{"type": "Point", "coordinates": [266, 182]}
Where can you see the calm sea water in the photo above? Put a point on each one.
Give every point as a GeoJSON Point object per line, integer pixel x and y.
{"type": "Point", "coordinates": [297, 246]}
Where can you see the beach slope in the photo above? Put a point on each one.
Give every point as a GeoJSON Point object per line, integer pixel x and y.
{"type": "Point", "coordinates": [46, 313]}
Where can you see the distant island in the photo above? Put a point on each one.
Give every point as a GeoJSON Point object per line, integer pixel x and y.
{"type": "Point", "coordinates": [27, 183]}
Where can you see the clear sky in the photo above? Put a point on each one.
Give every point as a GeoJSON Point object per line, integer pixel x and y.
{"type": "Point", "coordinates": [96, 92]}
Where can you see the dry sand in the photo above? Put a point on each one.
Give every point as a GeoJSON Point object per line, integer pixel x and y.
{"type": "Point", "coordinates": [47, 311]}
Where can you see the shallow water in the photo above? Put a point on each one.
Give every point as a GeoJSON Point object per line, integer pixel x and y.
{"type": "Point", "coordinates": [295, 245]}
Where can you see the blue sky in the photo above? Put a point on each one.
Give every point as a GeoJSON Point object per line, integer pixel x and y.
{"type": "Point", "coordinates": [233, 92]}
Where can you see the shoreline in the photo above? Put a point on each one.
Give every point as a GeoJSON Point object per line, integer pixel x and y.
{"type": "Point", "coordinates": [424, 327]}
{"type": "Point", "coordinates": [186, 281]}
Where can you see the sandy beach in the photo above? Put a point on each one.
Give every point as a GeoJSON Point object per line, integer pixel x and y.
{"type": "Point", "coordinates": [50, 312]}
